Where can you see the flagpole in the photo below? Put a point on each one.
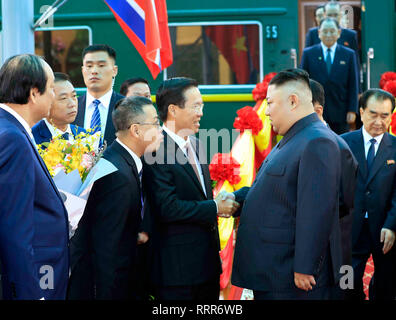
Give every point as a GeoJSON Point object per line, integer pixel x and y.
{"type": "Point", "coordinates": [17, 35]}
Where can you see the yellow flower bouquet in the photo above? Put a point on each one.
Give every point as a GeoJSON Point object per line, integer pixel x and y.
{"type": "Point", "coordinates": [62, 155]}
{"type": "Point", "coordinates": [75, 166]}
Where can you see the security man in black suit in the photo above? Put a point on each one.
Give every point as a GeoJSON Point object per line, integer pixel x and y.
{"type": "Point", "coordinates": [96, 105]}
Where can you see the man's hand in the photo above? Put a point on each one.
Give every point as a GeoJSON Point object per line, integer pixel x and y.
{"type": "Point", "coordinates": [224, 195]}
{"type": "Point", "coordinates": [304, 281]}
{"type": "Point", "coordinates": [225, 204]}
{"type": "Point", "coordinates": [388, 238]}
{"type": "Point", "coordinates": [142, 237]}
{"type": "Point", "coordinates": [351, 117]}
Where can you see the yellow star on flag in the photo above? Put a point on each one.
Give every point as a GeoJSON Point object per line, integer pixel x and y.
{"type": "Point", "coordinates": [240, 44]}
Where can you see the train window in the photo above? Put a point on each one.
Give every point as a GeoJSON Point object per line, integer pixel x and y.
{"type": "Point", "coordinates": [61, 47]}
{"type": "Point", "coordinates": [217, 53]}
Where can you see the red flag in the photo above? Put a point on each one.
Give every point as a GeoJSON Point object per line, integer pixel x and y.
{"type": "Point", "coordinates": [145, 23]}
{"type": "Point", "coordinates": [237, 43]}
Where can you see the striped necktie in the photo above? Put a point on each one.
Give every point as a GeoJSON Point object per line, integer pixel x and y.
{"type": "Point", "coordinates": [95, 120]}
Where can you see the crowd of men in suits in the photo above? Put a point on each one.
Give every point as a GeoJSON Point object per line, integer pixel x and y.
{"type": "Point", "coordinates": [319, 200]}
{"type": "Point", "coordinates": [331, 57]}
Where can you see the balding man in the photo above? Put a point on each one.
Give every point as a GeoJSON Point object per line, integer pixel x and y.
{"type": "Point", "coordinates": [34, 251]}
{"type": "Point", "coordinates": [288, 242]}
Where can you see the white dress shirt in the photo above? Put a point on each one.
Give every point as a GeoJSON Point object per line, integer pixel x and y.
{"type": "Point", "coordinates": [183, 146]}
{"type": "Point", "coordinates": [20, 120]}
{"type": "Point", "coordinates": [103, 110]}
{"type": "Point", "coordinates": [366, 140]}
{"type": "Point", "coordinates": [56, 132]}
{"type": "Point", "coordinates": [138, 162]}
{"type": "Point", "coordinates": [332, 51]}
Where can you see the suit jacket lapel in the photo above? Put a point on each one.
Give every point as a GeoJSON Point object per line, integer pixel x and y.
{"type": "Point", "coordinates": [321, 59]}
{"type": "Point", "coordinates": [128, 158]}
{"type": "Point", "coordinates": [81, 111]}
{"type": "Point", "coordinates": [336, 62]}
{"type": "Point", "coordinates": [44, 131]}
{"type": "Point", "coordinates": [382, 154]}
{"type": "Point", "coordinates": [358, 150]}
{"type": "Point", "coordinates": [174, 151]}
{"type": "Point", "coordinates": [199, 150]}
{"type": "Point", "coordinates": [110, 131]}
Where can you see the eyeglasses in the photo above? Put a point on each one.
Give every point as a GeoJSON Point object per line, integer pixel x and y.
{"type": "Point", "coordinates": [156, 124]}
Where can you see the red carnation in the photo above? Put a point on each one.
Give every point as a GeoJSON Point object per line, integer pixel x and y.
{"type": "Point", "coordinates": [393, 123]}
{"type": "Point", "coordinates": [390, 86]}
{"type": "Point", "coordinates": [385, 77]}
{"type": "Point", "coordinates": [268, 77]}
{"type": "Point", "coordinates": [260, 91]}
{"type": "Point", "coordinates": [224, 167]}
{"type": "Point", "coordinates": [248, 119]}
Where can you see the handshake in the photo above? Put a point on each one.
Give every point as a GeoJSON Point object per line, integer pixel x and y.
{"type": "Point", "coordinates": [226, 204]}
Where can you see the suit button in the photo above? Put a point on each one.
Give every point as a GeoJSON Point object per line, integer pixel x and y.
{"type": "Point", "coordinates": [367, 193]}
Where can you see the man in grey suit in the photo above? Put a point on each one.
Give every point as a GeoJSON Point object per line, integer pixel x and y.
{"type": "Point", "coordinates": [288, 242]}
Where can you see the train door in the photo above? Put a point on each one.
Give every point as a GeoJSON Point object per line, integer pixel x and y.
{"type": "Point", "coordinates": [378, 40]}
{"type": "Point", "coordinates": [351, 19]}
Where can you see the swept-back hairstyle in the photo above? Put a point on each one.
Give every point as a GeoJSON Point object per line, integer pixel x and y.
{"type": "Point", "coordinates": [18, 75]}
{"type": "Point", "coordinates": [128, 111]}
{"type": "Point", "coordinates": [171, 91]}
{"type": "Point", "coordinates": [378, 94]}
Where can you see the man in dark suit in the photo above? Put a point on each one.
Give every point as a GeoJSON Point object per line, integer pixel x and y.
{"type": "Point", "coordinates": [104, 246]}
{"type": "Point", "coordinates": [374, 216]}
{"type": "Point", "coordinates": [334, 67]}
{"type": "Point", "coordinates": [349, 167]}
{"type": "Point", "coordinates": [186, 261]}
{"type": "Point", "coordinates": [95, 107]}
{"type": "Point", "coordinates": [290, 248]}
{"type": "Point", "coordinates": [135, 87]}
{"type": "Point", "coordinates": [34, 255]}
{"type": "Point", "coordinates": [62, 113]}
{"type": "Point", "coordinates": [348, 37]}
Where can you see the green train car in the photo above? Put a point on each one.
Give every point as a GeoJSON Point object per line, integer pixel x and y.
{"type": "Point", "coordinates": [228, 46]}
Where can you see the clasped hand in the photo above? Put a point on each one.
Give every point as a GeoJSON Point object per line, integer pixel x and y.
{"type": "Point", "coordinates": [226, 204]}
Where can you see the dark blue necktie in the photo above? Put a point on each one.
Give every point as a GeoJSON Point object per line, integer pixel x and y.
{"type": "Point", "coordinates": [328, 61]}
{"type": "Point", "coordinates": [371, 154]}
{"type": "Point", "coordinates": [95, 120]}
{"type": "Point", "coordinates": [65, 136]}
{"type": "Point", "coordinates": [141, 193]}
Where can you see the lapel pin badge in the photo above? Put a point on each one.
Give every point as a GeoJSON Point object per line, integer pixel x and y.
{"type": "Point", "coordinates": [389, 162]}
{"type": "Point", "coordinates": [320, 58]}
{"type": "Point", "coordinates": [342, 62]}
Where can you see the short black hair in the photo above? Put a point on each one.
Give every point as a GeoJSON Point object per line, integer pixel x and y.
{"type": "Point", "coordinates": [330, 20]}
{"type": "Point", "coordinates": [378, 94]}
{"type": "Point", "coordinates": [128, 111]}
{"type": "Point", "coordinates": [18, 75]}
{"type": "Point", "coordinates": [125, 85]}
{"type": "Point", "coordinates": [288, 75]}
{"type": "Point", "coordinates": [317, 92]}
{"type": "Point", "coordinates": [100, 47]}
{"type": "Point", "coordinates": [171, 91]}
{"type": "Point", "coordinates": [60, 76]}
